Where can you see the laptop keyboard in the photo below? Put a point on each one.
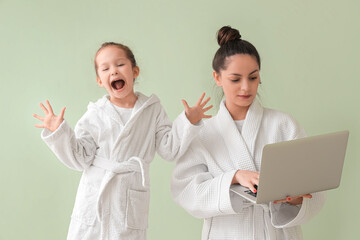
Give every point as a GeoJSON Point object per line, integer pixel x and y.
{"type": "Point", "coordinates": [252, 193]}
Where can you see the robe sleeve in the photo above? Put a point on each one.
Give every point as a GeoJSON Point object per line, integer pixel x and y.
{"type": "Point", "coordinates": [76, 149]}
{"type": "Point", "coordinates": [285, 215]}
{"type": "Point", "coordinates": [172, 140]}
{"type": "Point", "coordinates": [200, 193]}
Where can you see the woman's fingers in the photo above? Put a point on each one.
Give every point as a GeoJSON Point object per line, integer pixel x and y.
{"type": "Point", "coordinates": [252, 188]}
{"type": "Point", "coordinates": [208, 108]}
{"type": "Point", "coordinates": [294, 200]}
{"type": "Point", "coordinates": [200, 99]}
{"type": "Point", "coordinates": [40, 125]}
{"type": "Point", "coordinates": [205, 102]}
{"type": "Point", "coordinates": [306, 196]}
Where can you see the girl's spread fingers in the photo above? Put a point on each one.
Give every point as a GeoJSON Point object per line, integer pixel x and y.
{"type": "Point", "coordinates": [44, 108]}
{"type": "Point", "coordinates": [185, 104]}
{"type": "Point", "coordinates": [39, 126]}
{"type": "Point", "coordinates": [207, 116]}
{"type": "Point", "coordinates": [49, 106]}
{"type": "Point", "coordinates": [62, 112]}
{"type": "Point", "coordinates": [38, 117]}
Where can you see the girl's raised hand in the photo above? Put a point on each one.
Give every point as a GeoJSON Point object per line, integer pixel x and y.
{"type": "Point", "coordinates": [50, 121]}
{"type": "Point", "coordinates": [197, 112]}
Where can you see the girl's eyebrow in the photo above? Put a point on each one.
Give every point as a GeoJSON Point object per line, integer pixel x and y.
{"type": "Point", "coordinates": [236, 74]}
{"type": "Point", "coordinates": [120, 58]}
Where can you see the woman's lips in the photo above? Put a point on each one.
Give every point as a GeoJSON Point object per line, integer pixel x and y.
{"type": "Point", "coordinates": [244, 96]}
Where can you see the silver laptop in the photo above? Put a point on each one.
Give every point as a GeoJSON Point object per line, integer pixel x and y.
{"type": "Point", "coordinates": [298, 167]}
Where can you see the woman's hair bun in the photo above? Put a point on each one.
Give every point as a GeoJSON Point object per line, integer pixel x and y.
{"type": "Point", "coordinates": [226, 34]}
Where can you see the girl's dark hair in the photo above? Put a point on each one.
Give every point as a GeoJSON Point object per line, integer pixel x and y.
{"type": "Point", "coordinates": [231, 43]}
{"type": "Point", "coordinates": [128, 52]}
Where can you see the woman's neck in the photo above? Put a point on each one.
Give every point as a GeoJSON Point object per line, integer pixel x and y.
{"type": "Point", "coordinates": [237, 112]}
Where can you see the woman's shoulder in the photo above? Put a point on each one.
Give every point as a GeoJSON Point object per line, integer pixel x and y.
{"type": "Point", "coordinates": [209, 128]}
{"type": "Point", "coordinates": [282, 122]}
{"type": "Point", "coordinates": [277, 116]}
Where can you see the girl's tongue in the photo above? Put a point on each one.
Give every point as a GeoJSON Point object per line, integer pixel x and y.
{"type": "Point", "coordinates": [118, 84]}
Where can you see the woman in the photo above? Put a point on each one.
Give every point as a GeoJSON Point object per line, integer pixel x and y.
{"type": "Point", "coordinates": [228, 151]}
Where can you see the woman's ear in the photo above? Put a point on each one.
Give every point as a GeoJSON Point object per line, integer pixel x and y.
{"type": "Point", "coordinates": [217, 78]}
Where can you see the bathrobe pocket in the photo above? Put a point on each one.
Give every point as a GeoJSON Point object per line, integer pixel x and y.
{"type": "Point", "coordinates": [85, 204]}
{"type": "Point", "coordinates": [137, 209]}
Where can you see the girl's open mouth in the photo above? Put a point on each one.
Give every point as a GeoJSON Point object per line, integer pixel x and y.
{"type": "Point", "coordinates": [118, 84]}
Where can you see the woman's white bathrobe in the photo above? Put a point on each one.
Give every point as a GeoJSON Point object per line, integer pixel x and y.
{"type": "Point", "coordinates": [112, 201]}
{"type": "Point", "coordinates": [203, 175]}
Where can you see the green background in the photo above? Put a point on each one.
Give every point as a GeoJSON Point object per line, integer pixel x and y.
{"type": "Point", "coordinates": [310, 56]}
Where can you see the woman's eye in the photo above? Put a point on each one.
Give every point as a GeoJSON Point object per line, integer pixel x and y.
{"type": "Point", "coordinates": [253, 78]}
{"type": "Point", "coordinates": [235, 80]}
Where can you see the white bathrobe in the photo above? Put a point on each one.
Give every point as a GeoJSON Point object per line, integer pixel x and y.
{"type": "Point", "coordinates": [112, 201]}
{"type": "Point", "coordinates": [203, 175]}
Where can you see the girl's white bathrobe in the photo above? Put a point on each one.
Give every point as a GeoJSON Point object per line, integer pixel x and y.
{"type": "Point", "coordinates": [203, 175]}
{"type": "Point", "coordinates": [112, 201]}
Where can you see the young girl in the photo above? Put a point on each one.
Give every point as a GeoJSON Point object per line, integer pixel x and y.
{"type": "Point", "coordinates": [228, 151]}
{"type": "Point", "coordinates": [113, 144]}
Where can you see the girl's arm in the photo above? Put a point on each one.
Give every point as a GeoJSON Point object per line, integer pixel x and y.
{"type": "Point", "coordinates": [76, 149]}
{"type": "Point", "coordinates": [172, 140]}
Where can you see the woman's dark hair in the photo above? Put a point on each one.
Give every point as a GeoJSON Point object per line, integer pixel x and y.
{"type": "Point", "coordinates": [231, 43]}
{"type": "Point", "coordinates": [126, 49]}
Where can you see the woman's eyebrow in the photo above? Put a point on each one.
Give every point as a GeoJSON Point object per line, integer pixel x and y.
{"type": "Point", "coordinates": [237, 74]}
{"type": "Point", "coordinates": [254, 71]}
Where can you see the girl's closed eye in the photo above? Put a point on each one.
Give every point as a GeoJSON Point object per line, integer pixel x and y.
{"type": "Point", "coordinates": [120, 65]}
{"type": "Point", "coordinates": [235, 80]}
{"type": "Point", "coordinates": [105, 69]}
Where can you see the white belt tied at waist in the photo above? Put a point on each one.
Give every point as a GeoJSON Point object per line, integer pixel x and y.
{"type": "Point", "coordinates": [133, 164]}
{"type": "Point", "coordinates": [270, 233]}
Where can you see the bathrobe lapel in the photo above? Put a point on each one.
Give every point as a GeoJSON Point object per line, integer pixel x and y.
{"type": "Point", "coordinates": [124, 149]}
{"type": "Point", "coordinates": [105, 105]}
{"type": "Point", "coordinates": [240, 146]}
{"type": "Point", "coordinates": [251, 126]}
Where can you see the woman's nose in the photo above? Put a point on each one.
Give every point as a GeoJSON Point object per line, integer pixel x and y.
{"type": "Point", "coordinates": [245, 84]}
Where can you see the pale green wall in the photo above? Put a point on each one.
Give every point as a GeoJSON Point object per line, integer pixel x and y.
{"type": "Point", "coordinates": [310, 56]}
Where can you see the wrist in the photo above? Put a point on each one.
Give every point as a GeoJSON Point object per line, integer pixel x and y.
{"type": "Point", "coordinates": [234, 180]}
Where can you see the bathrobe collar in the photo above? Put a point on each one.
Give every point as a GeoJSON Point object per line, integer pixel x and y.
{"type": "Point", "coordinates": [241, 147]}
{"type": "Point", "coordinates": [109, 109]}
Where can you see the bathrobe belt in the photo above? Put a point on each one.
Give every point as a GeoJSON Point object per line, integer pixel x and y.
{"type": "Point", "coordinates": [133, 164]}
{"type": "Point", "coordinates": [261, 211]}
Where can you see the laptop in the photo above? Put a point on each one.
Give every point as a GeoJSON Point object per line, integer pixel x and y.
{"type": "Point", "coordinates": [298, 167]}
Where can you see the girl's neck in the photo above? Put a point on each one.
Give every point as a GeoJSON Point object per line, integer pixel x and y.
{"type": "Point", "coordinates": [237, 112]}
{"type": "Point", "coordinates": [127, 102]}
